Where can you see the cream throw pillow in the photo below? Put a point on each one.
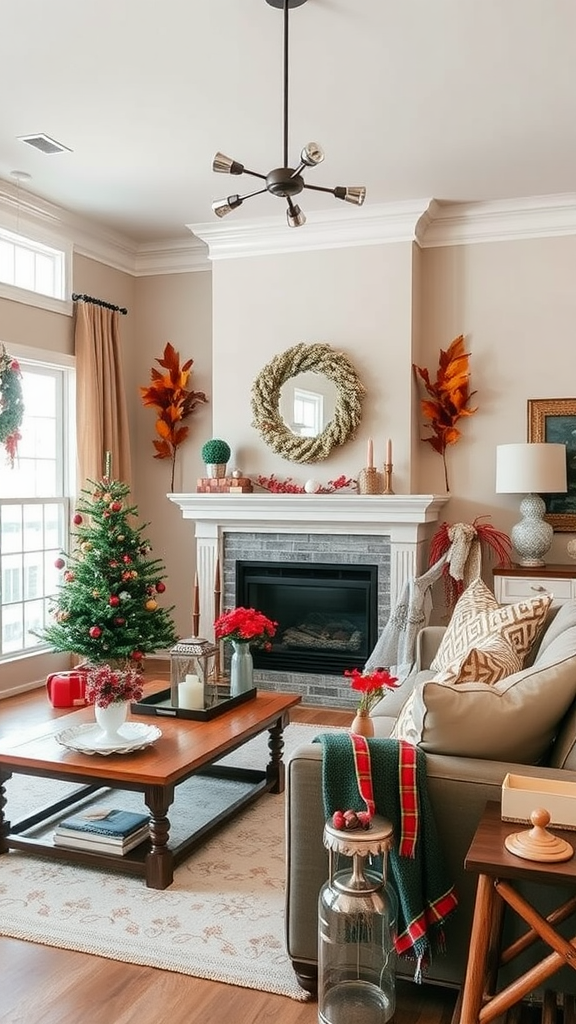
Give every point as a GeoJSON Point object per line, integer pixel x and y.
{"type": "Point", "coordinates": [513, 720]}
{"type": "Point", "coordinates": [478, 615]}
{"type": "Point", "coordinates": [490, 660]}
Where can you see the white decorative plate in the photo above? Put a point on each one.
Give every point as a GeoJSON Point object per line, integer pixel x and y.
{"type": "Point", "coordinates": [89, 738]}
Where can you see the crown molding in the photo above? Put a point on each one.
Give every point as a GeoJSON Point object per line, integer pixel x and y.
{"type": "Point", "coordinates": [430, 222]}
{"type": "Point", "coordinates": [325, 229]}
{"type": "Point", "coordinates": [500, 220]}
{"type": "Point", "coordinates": [173, 256]}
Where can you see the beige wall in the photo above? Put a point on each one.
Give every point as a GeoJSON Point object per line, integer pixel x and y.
{"type": "Point", "coordinates": [356, 299]}
{"type": "Point", "coordinates": [515, 302]}
{"type": "Point", "coordinates": [385, 307]}
{"type": "Point", "coordinates": [174, 308]}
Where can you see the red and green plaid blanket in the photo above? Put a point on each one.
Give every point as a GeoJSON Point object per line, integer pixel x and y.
{"type": "Point", "coordinates": [389, 778]}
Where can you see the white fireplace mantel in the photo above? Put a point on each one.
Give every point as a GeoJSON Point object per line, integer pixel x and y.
{"type": "Point", "coordinates": [404, 518]}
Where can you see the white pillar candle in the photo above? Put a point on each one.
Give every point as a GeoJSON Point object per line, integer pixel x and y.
{"type": "Point", "coordinates": [370, 454]}
{"type": "Point", "coordinates": [191, 694]}
{"type": "Point", "coordinates": [389, 452]}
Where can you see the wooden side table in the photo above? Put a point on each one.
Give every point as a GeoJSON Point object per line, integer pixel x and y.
{"type": "Point", "coordinates": [497, 871]}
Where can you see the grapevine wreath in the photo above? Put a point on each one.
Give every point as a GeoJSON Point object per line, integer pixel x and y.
{"type": "Point", "coordinates": [11, 403]}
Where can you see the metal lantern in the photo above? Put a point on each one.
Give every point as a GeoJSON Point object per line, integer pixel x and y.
{"type": "Point", "coordinates": [357, 917]}
{"type": "Point", "coordinates": [193, 674]}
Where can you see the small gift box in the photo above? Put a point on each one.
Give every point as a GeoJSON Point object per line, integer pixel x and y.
{"type": "Point", "coordinates": [67, 689]}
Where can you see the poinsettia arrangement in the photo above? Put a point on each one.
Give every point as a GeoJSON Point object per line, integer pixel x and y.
{"type": "Point", "coordinates": [449, 397]}
{"type": "Point", "coordinates": [106, 685]}
{"type": "Point", "coordinates": [246, 625]}
{"type": "Point", "coordinates": [173, 401]}
{"type": "Point", "coordinates": [371, 686]}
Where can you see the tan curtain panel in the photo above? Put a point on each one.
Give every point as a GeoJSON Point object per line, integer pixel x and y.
{"type": "Point", "coordinates": [101, 416]}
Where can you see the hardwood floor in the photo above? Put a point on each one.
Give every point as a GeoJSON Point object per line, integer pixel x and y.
{"type": "Point", "coordinates": [45, 985]}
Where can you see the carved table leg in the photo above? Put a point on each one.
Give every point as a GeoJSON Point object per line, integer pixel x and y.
{"type": "Point", "coordinates": [4, 825]}
{"type": "Point", "coordinates": [160, 860]}
{"type": "Point", "coordinates": [275, 769]}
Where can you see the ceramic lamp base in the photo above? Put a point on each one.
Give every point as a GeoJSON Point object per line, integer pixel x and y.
{"type": "Point", "coordinates": [532, 536]}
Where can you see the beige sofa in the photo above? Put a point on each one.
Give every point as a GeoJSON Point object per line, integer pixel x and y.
{"type": "Point", "coordinates": [459, 787]}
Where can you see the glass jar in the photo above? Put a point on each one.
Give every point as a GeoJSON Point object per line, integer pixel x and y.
{"type": "Point", "coordinates": [357, 917]}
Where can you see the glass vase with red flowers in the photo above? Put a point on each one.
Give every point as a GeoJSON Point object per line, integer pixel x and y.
{"type": "Point", "coordinates": [243, 628]}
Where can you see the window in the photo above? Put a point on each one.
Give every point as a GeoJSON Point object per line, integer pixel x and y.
{"type": "Point", "coordinates": [34, 505]}
{"type": "Point", "coordinates": [308, 413]}
{"type": "Point", "coordinates": [34, 272]}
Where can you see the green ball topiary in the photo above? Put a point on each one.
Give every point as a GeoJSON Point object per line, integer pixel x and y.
{"type": "Point", "coordinates": [215, 452]}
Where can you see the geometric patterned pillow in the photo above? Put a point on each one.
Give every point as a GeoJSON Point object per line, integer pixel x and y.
{"type": "Point", "coordinates": [490, 660]}
{"type": "Point", "coordinates": [470, 624]}
{"type": "Point", "coordinates": [463, 628]}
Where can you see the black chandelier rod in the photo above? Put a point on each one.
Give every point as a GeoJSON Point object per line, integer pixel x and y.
{"type": "Point", "coordinates": [285, 164]}
{"type": "Point", "coordinates": [77, 297]}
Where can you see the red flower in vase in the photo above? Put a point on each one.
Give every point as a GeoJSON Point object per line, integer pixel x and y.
{"type": "Point", "coordinates": [246, 625]}
{"type": "Point", "coordinates": [371, 686]}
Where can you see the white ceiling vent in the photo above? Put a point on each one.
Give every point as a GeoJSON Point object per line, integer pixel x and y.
{"type": "Point", "coordinates": [44, 143]}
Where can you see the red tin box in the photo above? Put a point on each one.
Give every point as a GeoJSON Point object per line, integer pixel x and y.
{"type": "Point", "coordinates": [67, 689]}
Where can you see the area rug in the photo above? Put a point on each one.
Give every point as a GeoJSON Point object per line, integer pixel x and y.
{"type": "Point", "coordinates": [221, 919]}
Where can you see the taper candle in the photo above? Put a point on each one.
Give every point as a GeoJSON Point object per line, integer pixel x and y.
{"type": "Point", "coordinates": [389, 452]}
{"type": "Point", "coordinates": [370, 454]}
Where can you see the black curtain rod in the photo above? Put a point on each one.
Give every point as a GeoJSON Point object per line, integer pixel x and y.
{"type": "Point", "coordinates": [76, 297]}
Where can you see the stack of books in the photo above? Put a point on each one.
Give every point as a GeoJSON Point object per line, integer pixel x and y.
{"type": "Point", "coordinates": [103, 831]}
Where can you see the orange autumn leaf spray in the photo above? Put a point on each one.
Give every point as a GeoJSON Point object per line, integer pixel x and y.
{"type": "Point", "coordinates": [168, 394]}
{"type": "Point", "coordinates": [449, 397]}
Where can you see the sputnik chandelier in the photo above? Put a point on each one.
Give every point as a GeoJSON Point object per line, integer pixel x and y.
{"type": "Point", "coordinates": [284, 181]}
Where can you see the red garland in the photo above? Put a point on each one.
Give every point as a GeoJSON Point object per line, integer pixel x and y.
{"type": "Point", "coordinates": [276, 486]}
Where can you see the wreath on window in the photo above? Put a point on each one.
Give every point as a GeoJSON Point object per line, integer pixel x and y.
{"type": "Point", "coordinates": [11, 403]}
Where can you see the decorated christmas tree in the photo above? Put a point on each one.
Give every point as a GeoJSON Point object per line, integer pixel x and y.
{"type": "Point", "coordinates": [107, 605]}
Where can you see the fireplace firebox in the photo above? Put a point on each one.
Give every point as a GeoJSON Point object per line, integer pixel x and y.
{"type": "Point", "coordinates": [326, 613]}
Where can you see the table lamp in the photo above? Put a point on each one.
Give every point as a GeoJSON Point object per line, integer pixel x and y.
{"type": "Point", "coordinates": [531, 469]}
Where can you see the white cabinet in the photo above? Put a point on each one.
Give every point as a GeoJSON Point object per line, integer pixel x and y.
{"type": "Point", "coordinates": [517, 582]}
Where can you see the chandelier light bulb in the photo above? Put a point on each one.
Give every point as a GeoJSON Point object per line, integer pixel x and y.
{"type": "Point", "coordinates": [312, 154]}
{"type": "Point", "coordinates": [354, 194]}
{"type": "Point", "coordinates": [286, 180]}
{"type": "Point", "coordinates": [222, 207]}
{"type": "Point", "coordinates": [226, 165]}
{"type": "Point", "coordinates": [295, 217]}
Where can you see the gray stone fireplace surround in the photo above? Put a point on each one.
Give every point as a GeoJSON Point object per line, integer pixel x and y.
{"type": "Point", "coordinates": [389, 531]}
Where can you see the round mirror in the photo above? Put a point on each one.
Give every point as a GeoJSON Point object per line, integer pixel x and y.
{"type": "Point", "coordinates": [306, 401]}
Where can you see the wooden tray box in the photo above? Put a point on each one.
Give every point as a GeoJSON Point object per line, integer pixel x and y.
{"type": "Point", "coordinates": [521, 795]}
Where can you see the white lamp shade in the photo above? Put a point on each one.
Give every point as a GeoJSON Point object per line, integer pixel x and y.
{"type": "Point", "coordinates": [530, 468]}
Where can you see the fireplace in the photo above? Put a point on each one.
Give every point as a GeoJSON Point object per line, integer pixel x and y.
{"type": "Point", "coordinates": [327, 614]}
{"type": "Point", "coordinates": [350, 530]}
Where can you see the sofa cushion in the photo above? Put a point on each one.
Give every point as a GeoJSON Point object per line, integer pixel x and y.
{"type": "Point", "coordinates": [478, 615]}
{"type": "Point", "coordinates": [512, 720]}
{"type": "Point", "coordinates": [491, 659]}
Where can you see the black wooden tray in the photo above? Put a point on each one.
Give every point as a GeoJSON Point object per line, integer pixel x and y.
{"type": "Point", "coordinates": [159, 704]}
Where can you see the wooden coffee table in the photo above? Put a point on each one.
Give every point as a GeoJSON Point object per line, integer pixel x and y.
{"type": "Point", "coordinates": [185, 748]}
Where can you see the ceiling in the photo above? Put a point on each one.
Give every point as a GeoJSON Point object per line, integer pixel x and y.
{"type": "Point", "coordinates": [458, 100]}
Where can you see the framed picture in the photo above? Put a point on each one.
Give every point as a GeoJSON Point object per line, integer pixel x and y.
{"type": "Point", "coordinates": [554, 420]}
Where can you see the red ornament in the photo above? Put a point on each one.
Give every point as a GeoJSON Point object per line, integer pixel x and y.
{"type": "Point", "coordinates": [95, 632]}
{"type": "Point", "coordinates": [160, 587]}
{"type": "Point", "coordinates": [59, 563]}
{"type": "Point", "coordinates": [114, 601]}
{"type": "Point", "coordinates": [126, 559]}
{"type": "Point", "coordinates": [137, 655]}
{"type": "Point", "coordinates": [77, 519]}
{"type": "Point", "coordinates": [119, 621]}
{"type": "Point", "coordinates": [116, 506]}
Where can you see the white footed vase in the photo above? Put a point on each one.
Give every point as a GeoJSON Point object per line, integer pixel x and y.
{"type": "Point", "coordinates": [111, 718]}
